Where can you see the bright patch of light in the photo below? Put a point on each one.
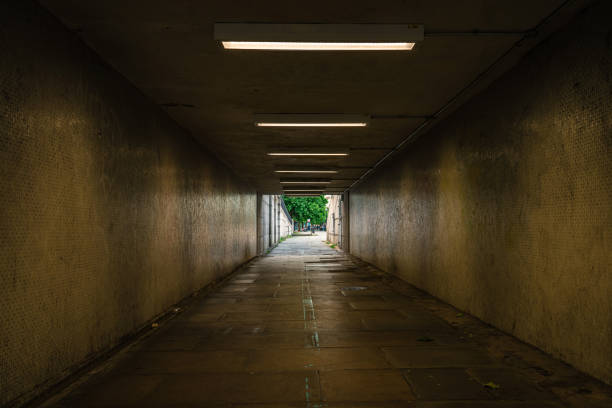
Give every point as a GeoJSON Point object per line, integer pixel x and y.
{"type": "Point", "coordinates": [307, 154]}
{"type": "Point", "coordinates": [281, 124]}
{"type": "Point", "coordinates": [317, 46]}
{"type": "Point", "coordinates": [305, 171]}
{"type": "Point", "coordinates": [305, 182]}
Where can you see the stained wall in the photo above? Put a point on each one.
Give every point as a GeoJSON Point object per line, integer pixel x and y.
{"type": "Point", "coordinates": [109, 211]}
{"type": "Point", "coordinates": [505, 209]}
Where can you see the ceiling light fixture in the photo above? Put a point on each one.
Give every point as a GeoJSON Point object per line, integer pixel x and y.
{"type": "Point", "coordinates": [306, 182]}
{"type": "Point", "coordinates": [308, 154]}
{"type": "Point", "coordinates": [311, 120]}
{"type": "Point", "coordinates": [314, 124]}
{"type": "Point", "coordinates": [315, 46]}
{"type": "Point", "coordinates": [297, 191]}
{"type": "Point", "coordinates": [319, 37]}
{"type": "Point", "coordinates": [305, 171]}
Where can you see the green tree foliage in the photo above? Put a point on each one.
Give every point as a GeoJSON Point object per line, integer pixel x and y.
{"type": "Point", "coordinates": [303, 208]}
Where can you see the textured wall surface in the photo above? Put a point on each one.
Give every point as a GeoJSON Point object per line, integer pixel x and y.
{"type": "Point", "coordinates": [338, 221]}
{"type": "Point", "coordinates": [273, 222]}
{"type": "Point", "coordinates": [286, 223]}
{"type": "Point", "coordinates": [109, 212]}
{"type": "Point", "coordinates": [505, 209]}
{"type": "Point", "coordinates": [265, 223]}
{"type": "Point", "coordinates": [334, 224]}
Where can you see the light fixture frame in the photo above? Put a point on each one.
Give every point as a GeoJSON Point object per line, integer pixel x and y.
{"type": "Point", "coordinates": [306, 171]}
{"type": "Point", "coordinates": [288, 154]}
{"type": "Point", "coordinates": [298, 120]}
{"type": "Point", "coordinates": [304, 190]}
{"type": "Point", "coordinates": [319, 37]}
{"type": "Point", "coordinates": [308, 152]}
{"type": "Point", "coordinates": [305, 181]}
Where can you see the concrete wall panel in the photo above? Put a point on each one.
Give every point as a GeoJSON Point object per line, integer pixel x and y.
{"type": "Point", "coordinates": [274, 223]}
{"type": "Point", "coordinates": [109, 212]}
{"type": "Point", "coordinates": [334, 220]}
{"type": "Point", "coordinates": [286, 223]}
{"type": "Point", "coordinates": [505, 209]}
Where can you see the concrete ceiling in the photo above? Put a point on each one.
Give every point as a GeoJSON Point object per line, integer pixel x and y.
{"type": "Point", "coordinates": [166, 48]}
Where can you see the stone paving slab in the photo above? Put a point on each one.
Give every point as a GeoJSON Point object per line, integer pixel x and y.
{"type": "Point", "coordinates": [235, 387]}
{"type": "Point", "coordinates": [115, 391]}
{"type": "Point", "coordinates": [322, 359]}
{"type": "Point", "coordinates": [488, 404]}
{"type": "Point", "coordinates": [511, 386]}
{"type": "Point", "coordinates": [307, 326]}
{"type": "Point", "coordinates": [445, 384]}
{"type": "Point", "coordinates": [186, 362]}
{"type": "Point", "coordinates": [384, 338]}
{"type": "Point", "coordinates": [365, 385]}
{"type": "Point", "coordinates": [437, 357]}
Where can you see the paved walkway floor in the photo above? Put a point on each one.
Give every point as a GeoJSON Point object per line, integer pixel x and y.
{"type": "Point", "coordinates": [307, 326]}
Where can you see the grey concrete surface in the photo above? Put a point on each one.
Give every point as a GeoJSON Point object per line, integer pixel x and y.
{"type": "Point", "coordinates": [273, 222]}
{"type": "Point", "coordinates": [504, 210]}
{"type": "Point", "coordinates": [168, 51]}
{"type": "Point", "coordinates": [308, 326]}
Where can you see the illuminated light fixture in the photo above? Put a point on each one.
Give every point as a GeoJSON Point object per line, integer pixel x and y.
{"type": "Point", "coordinates": [305, 171]}
{"type": "Point", "coordinates": [308, 154]}
{"type": "Point", "coordinates": [319, 37]}
{"type": "Point", "coordinates": [316, 46]}
{"type": "Point", "coordinates": [314, 124]}
{"type": "Point", "coordinates": [305, 182]}
{"type": "Point", "coordinates": [303, 195]}
{"type": "Point", "coordinates": [298, 191]}
{"type": "Point", "coordinates": [311, 120]}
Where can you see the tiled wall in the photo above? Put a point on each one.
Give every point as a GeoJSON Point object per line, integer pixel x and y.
{"type": "Point", "coordinates": [505, 209]}
{"type": "Point", "coordinates": [109, 211]}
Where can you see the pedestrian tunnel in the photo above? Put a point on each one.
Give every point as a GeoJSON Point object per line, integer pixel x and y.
{"type": "Point", "coordinates": [345, 204]}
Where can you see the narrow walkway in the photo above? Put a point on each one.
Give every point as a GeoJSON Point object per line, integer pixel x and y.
{"type": "Point", "coordinates": [306, 326]}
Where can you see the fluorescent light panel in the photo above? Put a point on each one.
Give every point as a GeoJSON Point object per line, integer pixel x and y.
{"type": "Point", "coordinates": [316, 46]}
{"type": "Point", "coordinates": [307, 154]}
{"type": "Point", "coordinates": [311, 120]}
{"type": "Point", "coordinates": [305, 171]}
{"type": "Point", "coordinates": [305, 182]}
{"type": "Point", "coordinates": [319, 37]}
{"type": "Point", "coordinates": [297, 191]}
{"type": "Point", "coordinates": [313, 124]}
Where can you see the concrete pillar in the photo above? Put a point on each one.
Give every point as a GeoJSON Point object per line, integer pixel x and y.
{"type": "Point", "coordinates": [269, 222]}
{"type": "Point", "coordinates": [345, 231]}
{"type": "Point", "coordinates": [259, 224]}
{"type": "Point", "coordinates": [278, 217]}
{"type": "Point", "coordinates": [275, 219]}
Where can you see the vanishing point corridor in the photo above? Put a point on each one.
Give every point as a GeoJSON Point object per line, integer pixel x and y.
{"type": "Point", "coordinates": [316, 204]}
{"type": "Point", "coordinates": [308, 326]}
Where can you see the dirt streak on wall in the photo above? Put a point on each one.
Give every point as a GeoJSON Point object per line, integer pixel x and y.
{"type": "Point", "coordinates": [109, 211]}
{"type": "Point", "coordinates": [505, 209]}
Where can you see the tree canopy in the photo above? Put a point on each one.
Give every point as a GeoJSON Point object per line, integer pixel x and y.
{"type": "Point", "coordinates": [303, 208]}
